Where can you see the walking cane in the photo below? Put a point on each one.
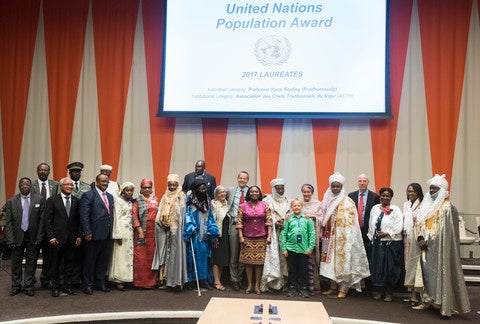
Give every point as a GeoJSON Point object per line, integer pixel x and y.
{"type": "Point", "coordinates": [195, 267]}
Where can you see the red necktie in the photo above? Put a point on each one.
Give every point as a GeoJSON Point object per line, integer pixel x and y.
{"type": "Point", "coordinates": [360, 211]}
{"type": "Point", "coordinates": [105, 201]}
{"type": "Point", "coordinates": [242, 197]}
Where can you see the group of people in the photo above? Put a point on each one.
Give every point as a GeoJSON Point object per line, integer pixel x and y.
{"type": "Point", "coordinates": [185, 239]}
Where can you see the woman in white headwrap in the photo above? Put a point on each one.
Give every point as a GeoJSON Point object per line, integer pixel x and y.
{"type": "Point", "coordinates": [275, 268]}
{"type": "Point", "coordinates": [121, 263]}
{"type": "Point", "coordinates": [170, 257]}
{"type": "Point", "coordinates": [343, 256]}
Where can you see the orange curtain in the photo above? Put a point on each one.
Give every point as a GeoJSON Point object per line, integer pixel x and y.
{"type": "Point", "coordinates": [18, 32]}
{"type": "Point", "coordinates": [444, 25]}
{"type": "Point", "coordinates": [383, 131]}
{"type": "Point", "coordinates": [65, 24]}
{"type": "Point", "coordinates": [114, 23]}
{"type": "Point", "coordinates": [161, 129]}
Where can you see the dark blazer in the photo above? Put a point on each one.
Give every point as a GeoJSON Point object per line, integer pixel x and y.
{"type": "Point", "coordinates": [57, 224]}
{"type": "Point", "coordinates": [208, 178]}
{"type": "Point", "coordinates": [52, 186]}
{"type": "Point", "coordinates": [14, 219]}
{"type": "Point", "coordinates": [94, 216]}
{"type": "Point", "coordinates": [372, 200]}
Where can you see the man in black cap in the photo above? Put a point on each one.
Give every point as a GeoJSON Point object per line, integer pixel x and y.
{"type": "Point", "coordinates": [75, 172]}
{"type": "Point", "coordinates": [79, 188]}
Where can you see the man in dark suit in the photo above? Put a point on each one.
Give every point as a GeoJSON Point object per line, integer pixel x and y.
{"type": "Point", "coordinates": [46, 188]}
{"type": "Point", "coordinates": [235, 196]}
{"type": "Point", "coordinates": [369, 199]}
{"type": "Point", "coordinates": [62, 226]}
{"type": "Point", "coordinates": [96, 212]}
{"type": "Point", "coordinates": [200, 174]}
{"type": "Point", "coordinates": [24, 229]}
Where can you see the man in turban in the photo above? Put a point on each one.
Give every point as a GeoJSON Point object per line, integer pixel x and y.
{"type": "Point", "coordinates": [434, 268]}
{"type": "Point", "coordinates": [343, 259]}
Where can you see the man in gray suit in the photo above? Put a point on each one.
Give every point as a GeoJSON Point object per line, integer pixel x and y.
{"type": "Point", "coordinates": [236, 196]}
{"type": "Point", "coordinates": [46, 188]}
{"type": "Point", "coordinates": [25, 230]}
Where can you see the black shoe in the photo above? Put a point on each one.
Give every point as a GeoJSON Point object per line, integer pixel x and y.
{"type": "Point", "coordinates": [55, 292]}
{"type": "Point", "coordinates": [15, 291]}
{"type": "Point", "coordinates": [30, 292]}
{"type": "Point", "coordinates": [291, 293]}
{"type": "Point", "coordinates": [88, 290]}
{"type": "Point", "coordinates": [206, 285]}
{"type": "Point", "coordinates": [304, 293]}
{"type": "Point", "coordinates": [104, 289]}
{"type": "Point", "coordinates": [235, 286]}
{"type": "Point", "coordinates": [69, 291]}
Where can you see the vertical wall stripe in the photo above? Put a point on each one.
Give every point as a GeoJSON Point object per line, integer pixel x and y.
{"type": "Point", "coordinates": [114, 23]}
{"type": "Point", "coordinates": [325, 138]}
{"type": "Point", "coordinates": [18, 30]}
{"type": "Point", "coordinates": [445, 25]}
{"type": "Point", "coordinates": [65, 24]}
{"type": "Point", "coordinates": [269, 139]}
{"type": "Point", "coordinates": [161, 129]}
{"type": "Point", "coordinates": [383, 131]}
{"type": "Point", "coordinates": [214, 138]}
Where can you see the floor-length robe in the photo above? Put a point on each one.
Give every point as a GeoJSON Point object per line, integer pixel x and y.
{"type": "Point", "coordinates": [170, 246]}
{"type": "Point", "coordinates": [121, 263]}
{"type": "Point", "coordinates": [346, 260]}
{"type": "Point", "coordinates": [201, 231]}
{"type": "Point", "coordinates": [437, 271]}
{"type": "Point", "coordinates": [144, 213]}
{"type": "Point", "coordinates": [313, 209]}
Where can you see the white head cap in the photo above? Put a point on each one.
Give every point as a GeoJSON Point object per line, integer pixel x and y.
{"type": "Point", "coordinates": [106, 167]}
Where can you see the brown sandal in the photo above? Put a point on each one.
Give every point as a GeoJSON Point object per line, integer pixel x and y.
{"type": "Point", "coordinates": [220, 287]}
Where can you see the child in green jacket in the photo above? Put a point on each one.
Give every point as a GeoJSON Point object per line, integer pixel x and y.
{"type": "Point", "coordinates": [297, 243]}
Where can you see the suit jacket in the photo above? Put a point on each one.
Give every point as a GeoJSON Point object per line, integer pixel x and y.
{"type": "Point", "coordinates": [52, 186]}
{"type": "Point", "coordinates": [231, 198]}
{"type": "Point", "coordinates": [59, 225]}
{"type": "Point", "coordinates": [94, 216]}
{"type": "Point", "coordinates": [14, 219]}
{"type": "Point", "coordinates": [372, 200]}
{"type": "Point", "coordinates": [208, 178]}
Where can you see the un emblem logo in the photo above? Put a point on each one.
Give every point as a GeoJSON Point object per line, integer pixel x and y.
{"type": "Point", "coordinates": [272, 50]}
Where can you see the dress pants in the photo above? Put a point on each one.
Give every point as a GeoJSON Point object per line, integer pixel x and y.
{"type": "Point", "coordinates": [236, 268]}
{"type": "Point", "coordinates": [297, 270]}
{"type": "Point", "coordinates": [30, 251]}
{"type": "Point", "coordinates": [62, 253]}
{"type": "Point", "coordinates": [96, 256]}
{"type": "Point", "coordinates": [45, 275]}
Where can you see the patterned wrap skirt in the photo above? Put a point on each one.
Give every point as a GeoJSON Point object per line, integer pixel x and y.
{"type": "Point", "coordinates": [253, 249]}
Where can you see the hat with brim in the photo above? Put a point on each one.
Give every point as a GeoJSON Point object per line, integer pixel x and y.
{"type": "Point", "coordinates": [75, 166]}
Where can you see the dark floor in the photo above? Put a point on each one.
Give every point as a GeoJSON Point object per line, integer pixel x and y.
{"type": "Point", "coordinates": [355, 305]}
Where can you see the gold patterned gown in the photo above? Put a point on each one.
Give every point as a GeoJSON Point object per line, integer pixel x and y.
{"type": "Point", "coordinates": [346, 260]}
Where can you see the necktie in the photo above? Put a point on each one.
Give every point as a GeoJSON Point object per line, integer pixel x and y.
{"type": "Point", "coordinates": [360, 211]}
{"type": "Point", "coordinates": [242, 197]}
{"type": "Point", "coordinates": [26, 207]}
{"type": "Point", "coordinates": [43, 192]}
{"type": "Point", "coordinates": [67, 205]}
{"type": "Point", "coordinates": [76, 186]}
{"type": "Point", "coordinates": [105, 201]}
